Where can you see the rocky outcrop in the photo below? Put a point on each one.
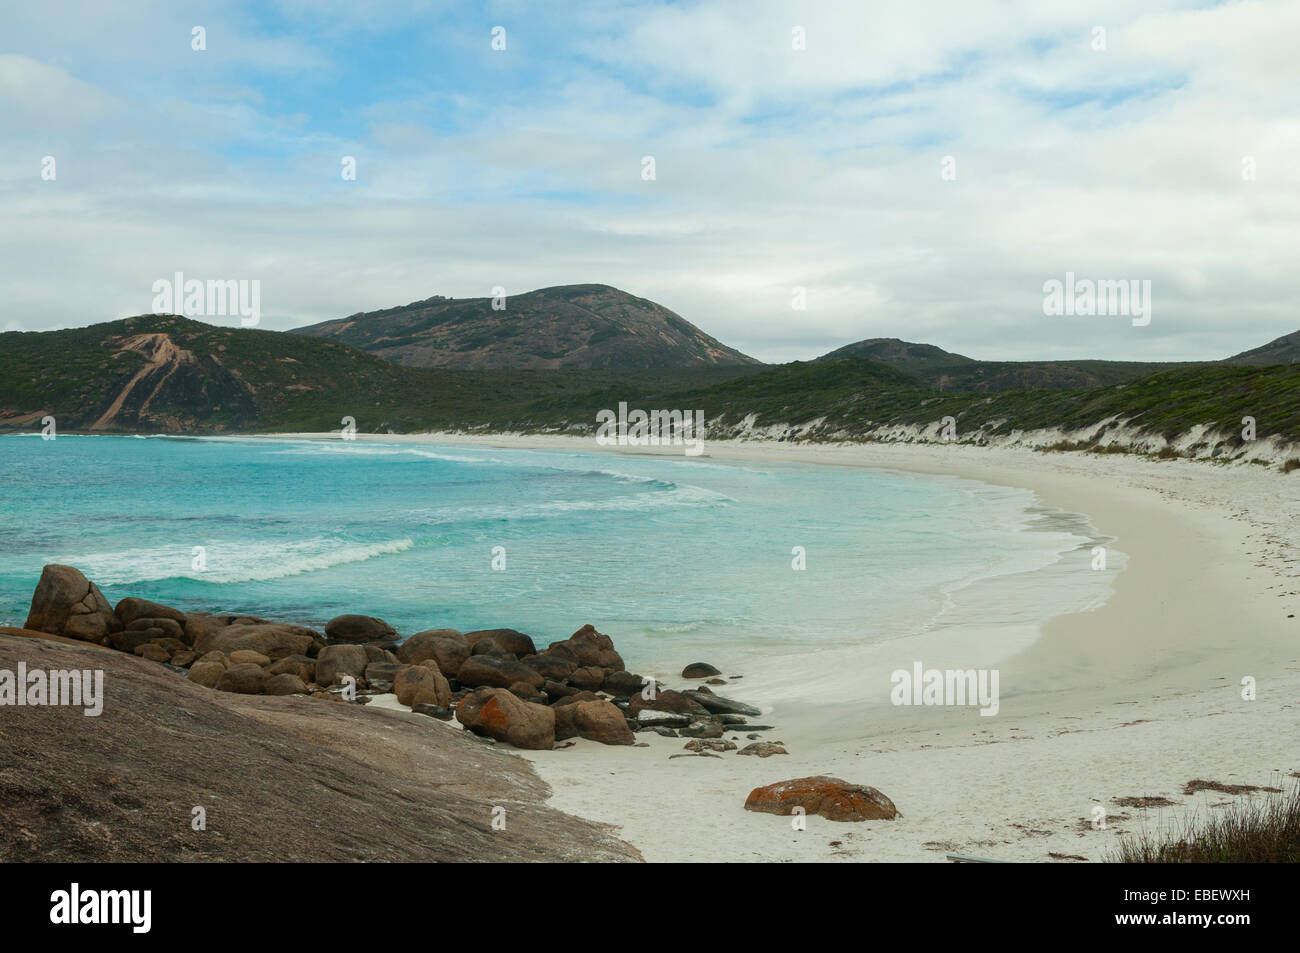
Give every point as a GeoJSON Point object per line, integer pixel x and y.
{"type": "Point", "coordinates": [67, 603]}
{"type": "Point", "coordinates": [832, 798]}
{"type": "Point", "coordinates": [367, 784]}
{"type": "Point", "coordinates": [495, 680]}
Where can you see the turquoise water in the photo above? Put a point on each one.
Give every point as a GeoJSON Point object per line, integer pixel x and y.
{"type": "Point", "coordinates": [672, 556]}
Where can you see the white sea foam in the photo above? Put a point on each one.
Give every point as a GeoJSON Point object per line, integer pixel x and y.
{"type": "Point", "coordinates": [318, 448]}
{"type": "Point", "coordinates": [680, 496]}
{"type": "Point", "coordinates": [229, 562]}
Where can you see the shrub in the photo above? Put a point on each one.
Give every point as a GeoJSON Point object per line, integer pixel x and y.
{"type": "Point", "coordinates": [1257, 830]}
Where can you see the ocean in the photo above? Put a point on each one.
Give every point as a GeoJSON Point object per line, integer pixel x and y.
{"type": "Point", "coordinates": [677, 558]}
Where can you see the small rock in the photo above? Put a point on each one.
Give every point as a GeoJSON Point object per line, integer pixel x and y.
{"type": "Point", "coordinates": [702, 729]}
{"type": "Point", "coordinates": [764, 749]}
{"type": "Point", "coordinates": [699, 670]}
{"type": "Point", "coordinates": [719, 705]}
{"type": "Point", "coordinates": [433, 711]}
{"type": "Point", "coordinates": [666, 719]}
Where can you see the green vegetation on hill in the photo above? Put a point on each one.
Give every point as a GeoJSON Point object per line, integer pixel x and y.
{"type": "Point", "coordinates": [163, 373]}
{"type": "Point", "coordinates": [946, 371]}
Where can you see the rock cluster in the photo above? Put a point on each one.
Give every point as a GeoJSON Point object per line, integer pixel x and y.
{"type": "Point", "coordinates": [495, 682]}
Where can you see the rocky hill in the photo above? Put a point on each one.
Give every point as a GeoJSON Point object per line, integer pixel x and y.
{"type": "Point", "coordinates": [1283, 350]}
{"type": "Point", "coordinates": [569, 326]}
{"type": "Point", "coordinates": [169, 374]}
{"type": "Point", "coordinates": [944, 370]}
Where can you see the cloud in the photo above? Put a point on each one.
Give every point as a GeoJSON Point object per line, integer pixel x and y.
{"type": "Point", "coordinates": [776, 167]}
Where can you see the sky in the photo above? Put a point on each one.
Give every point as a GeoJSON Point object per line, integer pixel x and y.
{"type": "Point", "coordinates": [914, 169]}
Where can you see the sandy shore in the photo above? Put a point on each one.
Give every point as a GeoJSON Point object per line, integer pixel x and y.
{"type": "Point", "coordinates": [1134, 698]}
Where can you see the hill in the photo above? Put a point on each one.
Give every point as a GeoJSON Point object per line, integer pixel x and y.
{"type": "Point", "coordinates": [569, 326]}
{"type": "Point", "coordinates": [169, 374]}
{"type": "Point", "coordinates": [944, 370]}
{"type": "Point", "coordinates": [1283, 350]}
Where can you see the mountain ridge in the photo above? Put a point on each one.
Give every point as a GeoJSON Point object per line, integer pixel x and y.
{"type": "Point", "coordinates": [585, 326]}
{"type": "Point", "coordinates": [171, 374]}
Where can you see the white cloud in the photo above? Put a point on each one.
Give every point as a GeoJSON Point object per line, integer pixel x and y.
{"type": "Point", "coordinates": [775, 168]}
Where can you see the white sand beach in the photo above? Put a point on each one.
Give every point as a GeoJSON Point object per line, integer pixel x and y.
{"type": "Point", "coordinates": [1132, 699]}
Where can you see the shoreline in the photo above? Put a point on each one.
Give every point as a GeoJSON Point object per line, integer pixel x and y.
{"type": "Point", "coordinates": [1135, 697]}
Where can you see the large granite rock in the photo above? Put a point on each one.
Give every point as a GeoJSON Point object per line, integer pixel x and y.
{"type": "Point", "coordinates": [589, 648]}
{"type": "Point", "coordinates": [447, 647]}
{"type": "Point", "coordinates": [832, 798]}
{"type": "Point", "coordinates": [336, 660]}
{"type": "Point", "coordinates": [67, 603]}
{"type": "Point", "coordinates": [510, 641]}
{"type": "Point", "coordinates": [496, 713]}
{"type": "Point", "coordinates": [132, 609]}
{"type": "Point", "coordinates": [422, 684]}
{"type": "Point", "coordinates": [244, 678]}
{"type": "Point", "coordinates": [358, 629]}
{"type": "Point", "coordinates": [666, 700]}
{"type": "Point", "coordinates": [601, 721]}
{"type": "Point", "coordinates": [274, 640]}
{"type": "Point", "coordinates": [487, 670]}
